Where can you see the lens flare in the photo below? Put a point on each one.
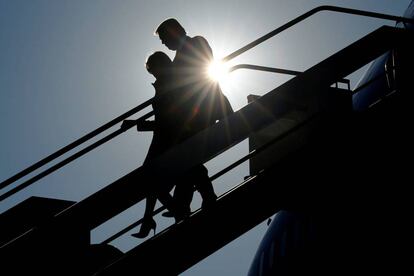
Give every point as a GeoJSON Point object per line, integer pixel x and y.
{"type": "Point", "coordinates": [217, 70]}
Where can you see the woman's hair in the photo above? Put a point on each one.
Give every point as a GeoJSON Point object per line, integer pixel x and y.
{"type": "Point", "coordinates": [157, 59]}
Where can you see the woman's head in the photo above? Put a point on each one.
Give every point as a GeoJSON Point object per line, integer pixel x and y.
{"type": "Point", "coordinates": [158, 63]}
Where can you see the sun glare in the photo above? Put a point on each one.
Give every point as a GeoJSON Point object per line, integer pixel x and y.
{"type": "Point", "coordinates": [218, 71]}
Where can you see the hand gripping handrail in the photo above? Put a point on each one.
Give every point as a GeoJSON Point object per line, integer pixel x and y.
{"type": "Point", "coordinates": [308, 14]}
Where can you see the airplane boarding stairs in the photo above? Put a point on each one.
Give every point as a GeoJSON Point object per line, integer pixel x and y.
{"type": "Point", "coordinates": [305, 114]}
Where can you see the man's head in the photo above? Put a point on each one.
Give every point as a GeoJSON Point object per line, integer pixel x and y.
{"type": "Point", "coordinates": [158, 63]}
{"type": "Point", "coordinates": [171, 33]}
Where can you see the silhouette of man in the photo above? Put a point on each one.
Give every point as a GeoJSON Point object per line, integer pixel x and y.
{"type": "Point", "coordinates": [199, 101]}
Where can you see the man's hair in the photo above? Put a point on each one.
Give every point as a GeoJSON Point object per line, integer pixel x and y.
{"type": "Point", "coordinates": [170, 25]}
{"type": "Point", "coordinates": [157, 59]}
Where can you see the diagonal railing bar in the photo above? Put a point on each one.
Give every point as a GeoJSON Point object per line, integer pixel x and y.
{"type": "Point", "coordinates": [276, 70]}
{"type": "Point", "coordinates": [308, 14]}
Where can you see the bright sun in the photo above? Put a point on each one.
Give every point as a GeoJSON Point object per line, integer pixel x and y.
{"type": "Point", "coordinates": [218, 70]}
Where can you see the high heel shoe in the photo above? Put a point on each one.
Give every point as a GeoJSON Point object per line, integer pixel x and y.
{"type": "Point", "coordinates": [146, 227]}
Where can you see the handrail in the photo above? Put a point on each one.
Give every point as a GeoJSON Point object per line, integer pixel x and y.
{"type": "Point", "coordinates": [71, 158]}
{"type": "Point", "coordinates": [74, 144]}
{"type": "Point", "coordinates": [277, 70]}
{"type": "Point", "coordinates": [308, 14]}
{"type": "Point", "coordinates": [264, 68]}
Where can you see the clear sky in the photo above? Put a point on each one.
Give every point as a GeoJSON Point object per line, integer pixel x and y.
{"type": "Point", "coordinates": [67, 67]}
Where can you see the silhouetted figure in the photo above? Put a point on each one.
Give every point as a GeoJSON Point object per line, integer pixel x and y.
{"type": "Point", "coordinates": [159, 65]}
{"type": "Point", "coordinates": [200, 103]}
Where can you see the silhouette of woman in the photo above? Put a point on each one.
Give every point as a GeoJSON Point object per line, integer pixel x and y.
{"type": "Point", "coordinates": [159, 65]}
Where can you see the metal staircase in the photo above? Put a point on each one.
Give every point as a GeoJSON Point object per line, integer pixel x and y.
{"type": "Point", "coordinates": [314, 111]}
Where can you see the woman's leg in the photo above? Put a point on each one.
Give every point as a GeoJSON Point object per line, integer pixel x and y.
{"type": "Point", "coordinates": [149, 207]}
{"type": "Point", "coordinates": [148, 223]}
